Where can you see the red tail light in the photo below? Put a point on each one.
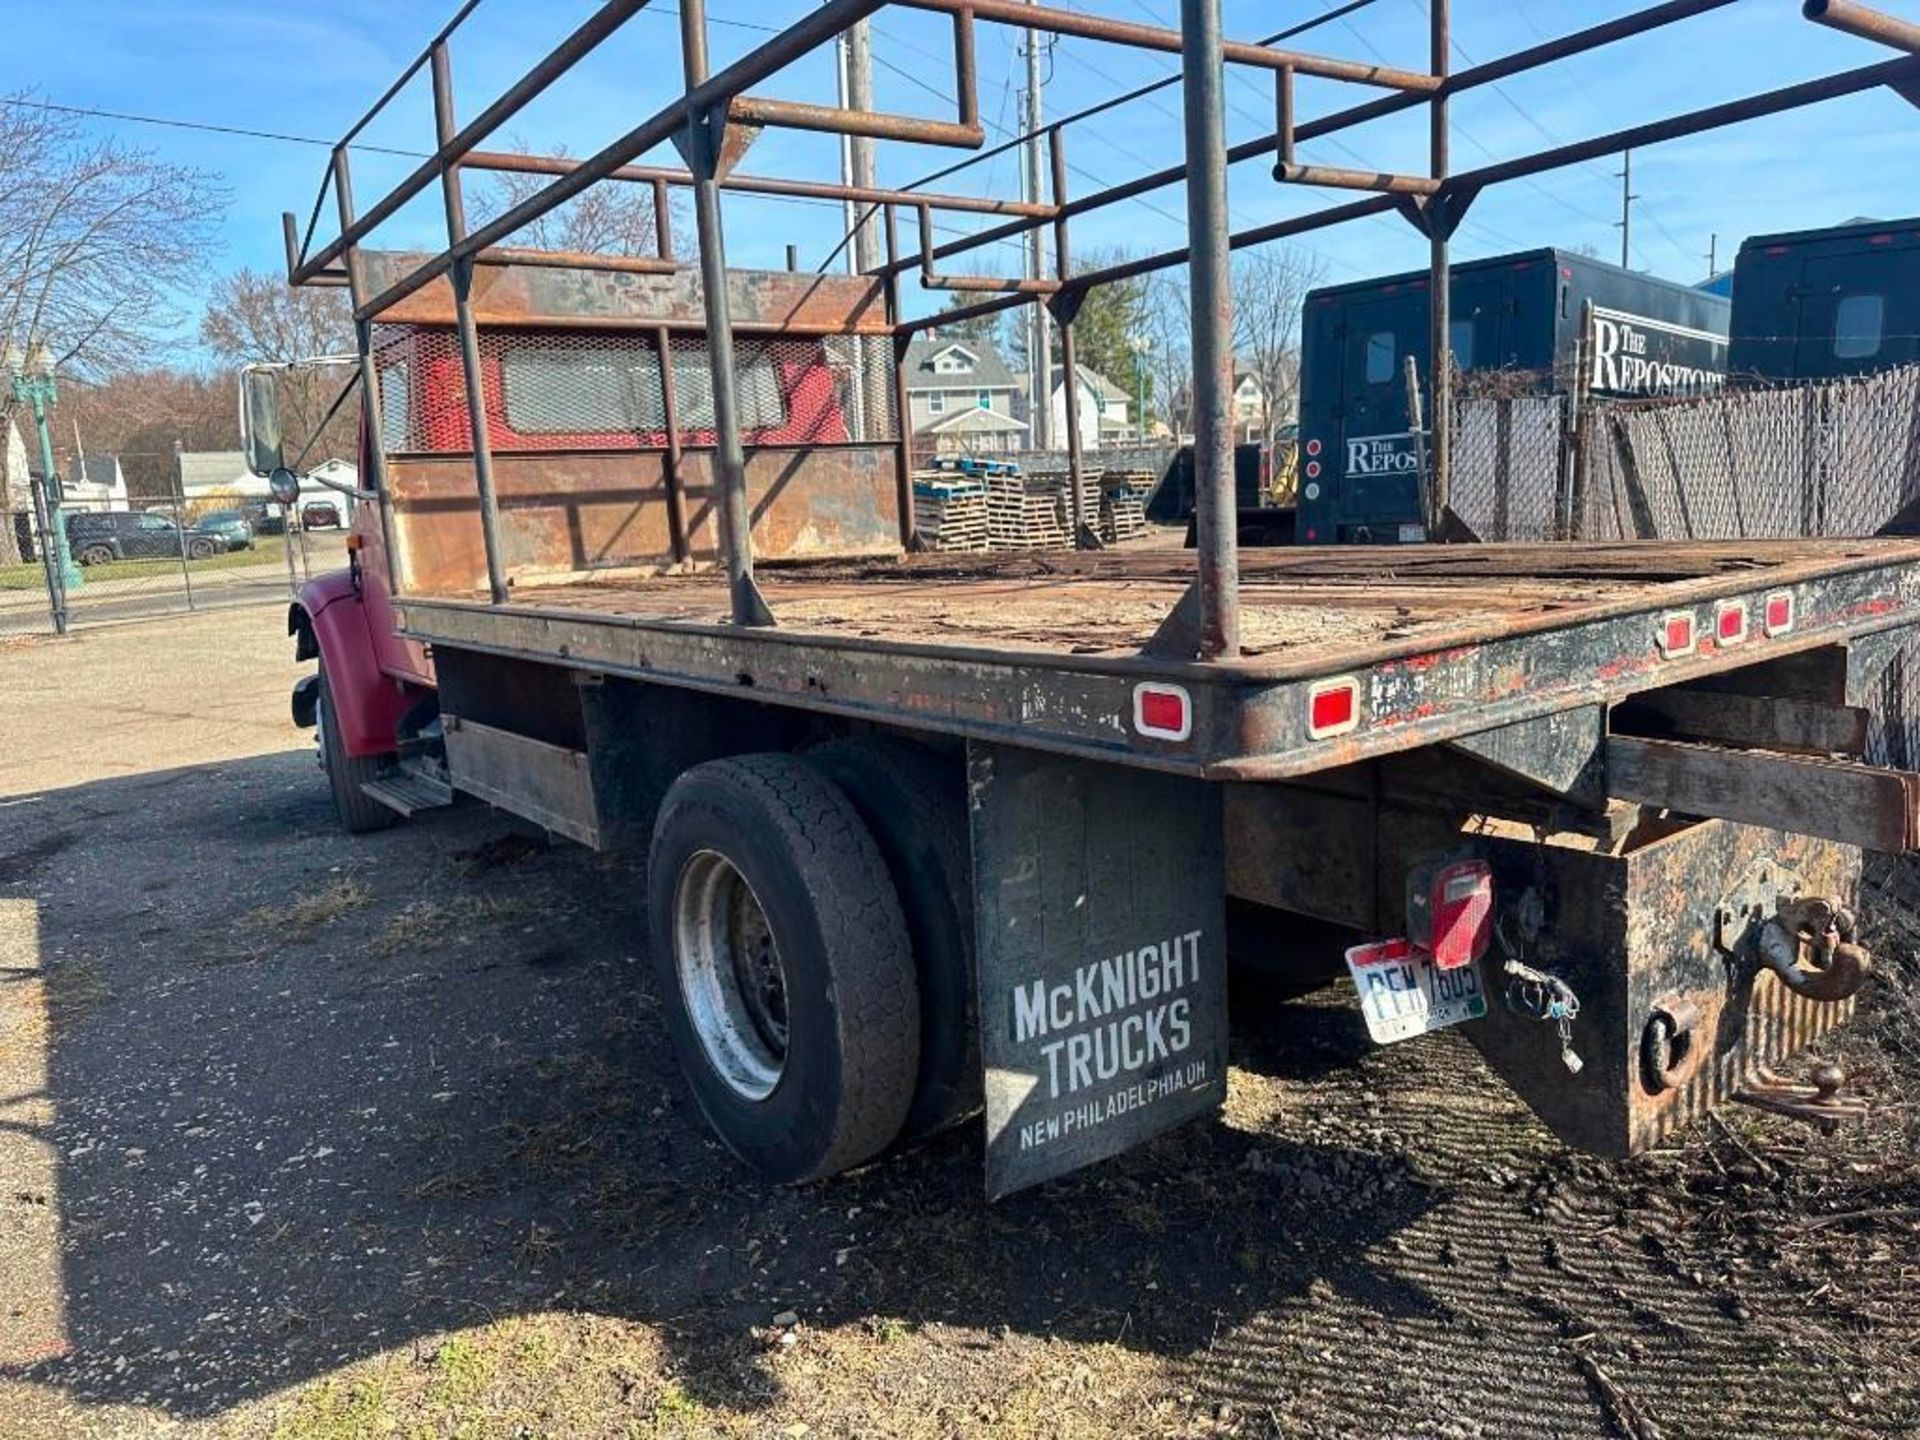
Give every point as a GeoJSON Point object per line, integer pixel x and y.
{"type": "Point", "coordinates": [1776, 615]}
{"type": "Point", "coordinates": [1730, 622]}
{"type": "Point", "coordinates": [1162, 712]}
{"type": "Point", "coordinates": [1676, 634]}
{"type": "Point", "coordinates": [1333, 708]}
{"type": "Point", "coordinates": [1450, 911]}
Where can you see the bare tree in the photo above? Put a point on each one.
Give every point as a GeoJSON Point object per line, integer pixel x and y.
{"type": "Point", "coordinates": [1270, 285]}
{"type": "Point", "coordinates": [96, 239]}
{"type": "Point", "coordinates": [253, 317]}
{"type": "Point", "coordinates": [143, 416]}
{"type": "Point", "coordinates": [1170, 355]}
{"type": "Point", "coordinates": [611, 218]}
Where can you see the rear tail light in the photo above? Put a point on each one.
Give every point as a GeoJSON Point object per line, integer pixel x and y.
{"type": "Point", "coordinates": [1776, 614]}
{"type": "Point", "coordinates": [1333, 708]}
{"type": "Point", "coordinates": [1163, 712]}
{"type": "Point", "coordinates": [1730, 622]}
{"type": "Point", "coordinates": [1450, 910]}
{"type": "Point", "coordinates": [1676, 635]}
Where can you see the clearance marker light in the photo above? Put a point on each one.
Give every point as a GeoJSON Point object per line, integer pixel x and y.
{"type": "Point", "coordinates": [1676, 635]}
{"type": "Point", "coordinates": [1163, 712]}
{"type": "Point", "coordinates": [1333, 708]}
{"type": "Point", "coordinates": [1730, 622]}
{"type": "Point", "coordinates": [1776, 613]}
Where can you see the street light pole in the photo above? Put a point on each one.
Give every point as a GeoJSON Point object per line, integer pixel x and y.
{"type": "Point", "coordinates": [33, 386]}
{"type": "Point", "coordinates": [1140, 345]}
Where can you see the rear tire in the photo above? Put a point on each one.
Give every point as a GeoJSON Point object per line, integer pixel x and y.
{"type": "Point", "coordinates": [359, 812]}
{"type": "Point", "coordinates": [784, 965]}
{"type": "Point", "coordinates": [199, 549]}
{"type": "Point", "coordinates": [914, 800]}
{"type": "Point", "coordinates": [96, 555]}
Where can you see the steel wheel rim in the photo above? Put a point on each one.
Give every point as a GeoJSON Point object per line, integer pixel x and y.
{"type": "Point", "coordinates": [732, 980]}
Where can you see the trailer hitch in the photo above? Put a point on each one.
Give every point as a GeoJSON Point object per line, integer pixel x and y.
{"type": "Point", "coordinates": [1820, 932]}
{"type": "Point", "coordinates": [1820, 1103]}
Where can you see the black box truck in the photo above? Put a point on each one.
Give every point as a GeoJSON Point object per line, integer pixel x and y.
{"type": "Point", "coordinates": [1360, 475]}
{"type": "Point", "coordinates": [1813, 304]}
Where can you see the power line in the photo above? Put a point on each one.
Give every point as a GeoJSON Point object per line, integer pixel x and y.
{"type": "Point", "coordinates": [173, 123]}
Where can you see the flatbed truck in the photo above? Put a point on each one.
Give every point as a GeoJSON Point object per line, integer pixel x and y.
{"type": "Point", "coordinates": [930, 836]}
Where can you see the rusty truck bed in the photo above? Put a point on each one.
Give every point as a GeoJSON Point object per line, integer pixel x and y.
{"type": "Point", "coordinates": [1443, 640]}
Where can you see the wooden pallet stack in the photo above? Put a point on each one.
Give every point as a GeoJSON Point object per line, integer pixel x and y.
{"type": "Point", "coordinates": [1123, 503]}
{"type": "Point", "coordinates": [950, 510]}
{"type": "Point", "coordinates": [1024, 511]}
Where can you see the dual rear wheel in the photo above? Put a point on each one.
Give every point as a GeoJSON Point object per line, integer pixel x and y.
{"type": "Point", "coordinates": [811, 933]}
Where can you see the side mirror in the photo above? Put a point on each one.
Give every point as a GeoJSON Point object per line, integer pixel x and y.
{"type": "Point", "coordinates": [260, 421]}
{"type": "Point", "coordinates": [283, 485]}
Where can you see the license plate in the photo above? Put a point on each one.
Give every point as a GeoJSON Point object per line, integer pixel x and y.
{"type": "Point", "coordinates": [1412, 534]}
{"type": "Point", "coordinates": [1403, 993]}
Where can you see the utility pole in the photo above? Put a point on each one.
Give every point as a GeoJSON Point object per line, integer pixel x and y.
{"type": "Point", "coordinates": [1713, 254]}
{"type": "Point", "coordinates": [854, 50]}
{"type": "Point", "coordinates": [1039, 318]}
{"type": "Point", "coordinates": [866, 236]}
{"type": "Point", "coordinates": [1625, 223]}
{"type": "Point", "coordinates": [850, 210]}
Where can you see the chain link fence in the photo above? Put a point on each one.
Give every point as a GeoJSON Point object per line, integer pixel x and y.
{"type": "Point", "coordinates": [159, 557]}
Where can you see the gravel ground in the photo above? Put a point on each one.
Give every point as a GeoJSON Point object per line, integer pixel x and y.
{"type": "Point", "coordinates": [303, 1136]}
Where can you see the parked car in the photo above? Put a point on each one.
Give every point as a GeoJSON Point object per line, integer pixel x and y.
{"type": "Point", "coordinates": [97, 537]}
{"type": "Point", "coordinates": [230, 526]}
{"type": "Point", "coordinates": [320, 515]}
{"type": "Point", "coordinates": [266, 518]}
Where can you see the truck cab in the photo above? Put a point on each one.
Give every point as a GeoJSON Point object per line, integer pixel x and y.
{"type": "Point", "coordinates": [1820, 304]}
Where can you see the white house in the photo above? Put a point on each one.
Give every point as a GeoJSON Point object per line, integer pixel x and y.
{"type": "Point", "coordinates": [16, 497]}
{"type": "Point", "coordinates": [218, 474]}
{"type": "Point", "coordinates": [1249, 403]}
{"type": "Point", "coordinates": [1105, 409]}
{"type": "Point", "coordinates": [95, 482]}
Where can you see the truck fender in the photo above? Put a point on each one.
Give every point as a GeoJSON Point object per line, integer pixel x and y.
{"type": "Point", "coordinates": [328, 621]}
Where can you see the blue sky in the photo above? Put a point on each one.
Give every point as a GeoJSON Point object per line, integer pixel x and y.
{"type": "Point", "coordinates": [311, 69]}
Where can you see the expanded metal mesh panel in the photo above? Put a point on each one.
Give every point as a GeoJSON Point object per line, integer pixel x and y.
{"type": "Point", "coordinates": [571, 390]}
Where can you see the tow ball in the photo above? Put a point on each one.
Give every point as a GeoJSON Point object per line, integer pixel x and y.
{"type": "Point", "coordinates": [1810, 945]}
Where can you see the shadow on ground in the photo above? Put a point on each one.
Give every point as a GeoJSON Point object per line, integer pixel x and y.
{"type": "Point", "coordinates": [314, 1098]}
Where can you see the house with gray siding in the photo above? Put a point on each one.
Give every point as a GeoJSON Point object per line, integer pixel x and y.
{"type": "Point", "coordinates": [960, 398]}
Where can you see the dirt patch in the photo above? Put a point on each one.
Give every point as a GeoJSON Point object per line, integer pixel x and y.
{"type": "Point", "coordinates": [423, 1165]}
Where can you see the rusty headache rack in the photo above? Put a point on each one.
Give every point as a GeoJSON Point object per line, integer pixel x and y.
{"type": "Point", "coordinates": [716, 118]}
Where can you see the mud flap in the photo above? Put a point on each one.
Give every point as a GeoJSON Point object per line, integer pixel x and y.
{"type": "Point", "coordinates": [1099, 915]}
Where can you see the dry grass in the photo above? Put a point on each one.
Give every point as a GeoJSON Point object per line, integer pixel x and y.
{"type": "Point", "coordinates": [312, 909]}
{"type": "Point", "coordinates": [437, 921]}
